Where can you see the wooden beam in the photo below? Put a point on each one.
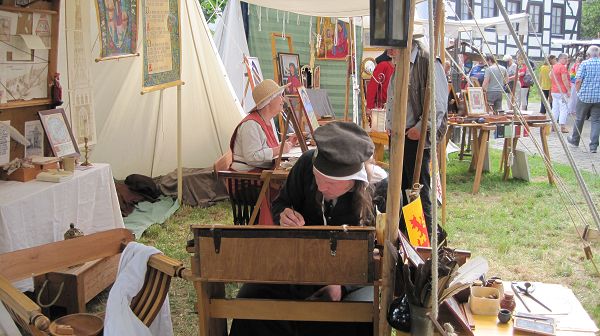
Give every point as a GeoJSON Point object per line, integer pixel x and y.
{"type": "Point", "coordinates": [398, 133]}
{"type": "Point", "coordinates": [257, 309]}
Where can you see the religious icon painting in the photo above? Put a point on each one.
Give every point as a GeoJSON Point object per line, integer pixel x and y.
{"type": "Point", "coordinates": [117, 21]}
{"type": "Point", "coordinates": [333, 39]}
{"type": "Point", "coordinates": [289, 70]}
{"type": "Point", "coordinates": [58, 131]}
{"type": "Point", "coordinates": [476, 101]}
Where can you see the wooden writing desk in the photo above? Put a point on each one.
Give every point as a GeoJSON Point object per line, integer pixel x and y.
{"type": "Point", "coordinates": [318, 255]}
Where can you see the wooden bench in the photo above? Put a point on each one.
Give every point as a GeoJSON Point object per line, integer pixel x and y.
{"type": "Point", "coordinates": [46, 258]}
{"type": "Point", "coordinates": [317, 255]}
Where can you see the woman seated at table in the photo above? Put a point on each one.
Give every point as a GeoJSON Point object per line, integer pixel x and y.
{"type": "Point", "coordinates": [326, 186]}
{"type": "Point", "coordinates": [254, 142]}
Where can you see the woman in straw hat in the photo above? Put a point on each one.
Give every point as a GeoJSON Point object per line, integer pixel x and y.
{"type": "Point", "coordinates": [254, 142]}
{"type": "Point", "coordinates": [326, 186]}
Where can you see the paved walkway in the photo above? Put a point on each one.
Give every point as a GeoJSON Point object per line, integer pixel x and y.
{"type": "Point", "coordinates": [583, 158]}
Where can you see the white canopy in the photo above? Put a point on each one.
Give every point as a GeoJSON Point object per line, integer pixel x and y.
{"type": "Point", "coordinates": [333, 8]}
{"type": "Point", "coordinates": [137, 133]}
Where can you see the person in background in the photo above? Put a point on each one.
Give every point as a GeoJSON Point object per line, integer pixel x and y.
{"type": "Point", "coordinates": [545, 81]}
{"type": "Point", "coordinates": [525, 82]}
{"type": "Point", "coordinates": [587, 84]}
{"type": "Point", "coordinates": [561, 91]}
{"type": "Point", "coordinates": [493, 84]}
{"type": "Point", "coordinates": [478, 72]}
{"type": "Point", "coordinates": [326, 186]}
{"type": "Point", "coordinates": [572, 77]}
{"type": "Point", "coordinates": [380, 79]}
{"type": "Point", "coordinates": [512, 72]}
{"type": "Point", "coordinates": [417, 83]}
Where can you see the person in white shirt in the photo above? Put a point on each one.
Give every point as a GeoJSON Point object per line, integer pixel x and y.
{"type": "Point", "coordinates": [254, 142]}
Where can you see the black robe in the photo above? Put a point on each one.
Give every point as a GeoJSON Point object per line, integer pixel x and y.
{"type": "Point", "coordinates": [300, 193]}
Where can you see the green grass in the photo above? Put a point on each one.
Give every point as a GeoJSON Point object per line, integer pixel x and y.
{"type": "Point", "coordinates": [522, 229]}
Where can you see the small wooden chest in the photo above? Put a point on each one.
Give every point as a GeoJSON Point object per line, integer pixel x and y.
{"type": "Point", "coordinates": [274, 254]}
{"type": "Point", "coordinates": [81, 283]}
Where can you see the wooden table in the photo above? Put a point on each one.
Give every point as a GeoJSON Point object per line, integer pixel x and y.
{"type": "Point", "coordinates": [559, 298]}
{"type": "Point", "coordinates": [481, 135]}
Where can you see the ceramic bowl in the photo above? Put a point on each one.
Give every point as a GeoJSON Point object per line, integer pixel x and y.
{"type": "Point", "coordinates": [82, 324]}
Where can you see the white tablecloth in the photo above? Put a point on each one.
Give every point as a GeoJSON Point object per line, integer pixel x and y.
{"type": "Point", "coordinates": [35, 213]}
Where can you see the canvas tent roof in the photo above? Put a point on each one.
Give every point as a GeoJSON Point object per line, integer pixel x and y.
{"type": "Point", "coordinates": [576, 42]}
{"type": "Point", "coordinates": [137, 133]}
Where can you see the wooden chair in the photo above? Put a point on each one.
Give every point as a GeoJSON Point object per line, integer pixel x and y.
{"type": "Point", "coordinates": [244, 189]}
{"type": "Point", "coordinates": [42, 259]}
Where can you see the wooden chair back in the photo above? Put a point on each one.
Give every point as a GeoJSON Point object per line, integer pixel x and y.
{"type": "Point", "coordinates": [244, 189]}
{"type": "Point", "coordinates": [42, 259]}
{"type": "Point", "coordinates": [223, 162]}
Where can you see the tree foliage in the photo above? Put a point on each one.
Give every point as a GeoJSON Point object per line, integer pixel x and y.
{"type": "Point", "coordinates": [590, 19]}
{"type": "Point", "coordinates": [212, 8]}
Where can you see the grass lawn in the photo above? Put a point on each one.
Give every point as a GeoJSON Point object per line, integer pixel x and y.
{"type": "Point", "coordinates": [523, 229]}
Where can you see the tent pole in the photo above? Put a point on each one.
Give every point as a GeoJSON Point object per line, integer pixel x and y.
{"type": "Point", "coordinates": [442, 53]}
{"type": "Point", "coordinates": [584, 189]}
{"type": "Point", "coordinates": [398, 133]}
{"type": "Point", "coordinates": [179, 158]}
{"type": "Point", "coordinates": [434, 160]}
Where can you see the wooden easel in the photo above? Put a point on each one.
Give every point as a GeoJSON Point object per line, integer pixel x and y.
{"type": "Point", "coordinates": [249, 79]}
{"type": "Point", "coordinates": [274, 53]}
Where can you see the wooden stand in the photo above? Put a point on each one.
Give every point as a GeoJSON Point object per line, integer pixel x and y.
{"type": "Point", "coordinates": [319, 255]}
{"type": "Point", "coordinates": [81, 283]}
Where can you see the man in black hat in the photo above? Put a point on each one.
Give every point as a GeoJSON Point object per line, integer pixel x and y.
{"type": "Point", "coordinates": [326, 186]}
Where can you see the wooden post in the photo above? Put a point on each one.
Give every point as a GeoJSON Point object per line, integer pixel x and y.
{"type": "Point", "coordinates": [398, 133]}
{"type": "Point", "coordinates": [179, 158]}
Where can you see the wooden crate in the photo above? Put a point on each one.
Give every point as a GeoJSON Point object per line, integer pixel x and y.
{"type": "Point", "coordinates": [81, 283]}
{"type": "Point", "coordinates": [274, 254]}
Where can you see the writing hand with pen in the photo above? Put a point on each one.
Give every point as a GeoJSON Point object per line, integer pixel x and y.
{"type": "Point", "coordinates": [289, 217]}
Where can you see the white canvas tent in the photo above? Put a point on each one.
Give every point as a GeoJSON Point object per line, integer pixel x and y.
{"type": "Point", "coordinates": [137, 133]}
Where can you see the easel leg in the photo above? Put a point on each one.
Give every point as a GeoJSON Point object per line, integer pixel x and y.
{"type": "Point", "coordinates": [504, 154]}
{"type": "Point", "coordinates": [507, 167]}
{"type": "Point", "coordinates": [483, 140]}
{"type": "Point", "coordinates": [544, 131]}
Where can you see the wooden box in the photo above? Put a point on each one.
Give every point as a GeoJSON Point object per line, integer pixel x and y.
{"type": "Point", "coordinates": [25, 174]}
{"type": "Point", "coordinates": [81, 283]}
{"type": "Point", "coordinates": [274, 254]}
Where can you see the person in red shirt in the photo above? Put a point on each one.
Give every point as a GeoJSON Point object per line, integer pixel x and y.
{"type": "Point", "coordinates": [561, 91]}
{"type": "Point", "coordinates": [380, 79]}
{"type": "Point", "coordinates": [524, 92]}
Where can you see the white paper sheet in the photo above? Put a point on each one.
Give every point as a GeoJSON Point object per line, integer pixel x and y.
{"type": "Point", "coordinates": [4, 142]}
{"type": "Point", "coordinates": [25, 81]}
{"type": "Point", "coordinates": [19, 50]}
{"type": "Point", "coordinates": [34, 132]}
{"type": "Point", "coordinates": [42, 24]}
{"type": "Point", "coordinates": [33, 42]}
{"type": "Point", "coordinates": [8, 25]}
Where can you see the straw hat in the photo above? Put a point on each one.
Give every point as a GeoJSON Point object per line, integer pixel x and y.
{"type": "Point", "coordinates": [264, 92]}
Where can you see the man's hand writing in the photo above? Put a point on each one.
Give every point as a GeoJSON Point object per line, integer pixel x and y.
{"type": "Point", "coordinates": [289, 217]}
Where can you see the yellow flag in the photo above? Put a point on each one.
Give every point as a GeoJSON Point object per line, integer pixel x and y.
{"type": "Point", "coordinates": [414, 218]}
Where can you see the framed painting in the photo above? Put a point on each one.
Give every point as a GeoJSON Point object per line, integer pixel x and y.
{"type": "Point", "coordinates": [309, 112]}
{"type": "Point", "coordinates": [334, 39]}
{"type": "Point", "coordinates": [162, 45]}
{"type": "Point", "coordinates": [317, 77]}
{"type": "Point", "coordinates": [59, 134]}
{"type": "Point", "coordinates": [289, 69]}
{"type": "Point", "coordinates": [117, 20]}
{"type": "Point", "coordinates": [476, 102]}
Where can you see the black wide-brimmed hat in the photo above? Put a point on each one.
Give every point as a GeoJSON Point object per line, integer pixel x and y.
{"type": "Point", "coordinates": [342, 149]}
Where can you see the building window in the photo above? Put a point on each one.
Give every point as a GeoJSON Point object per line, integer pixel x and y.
{"type": "Point", "coordinates": [557, 20]}
{"type": "Point", "coordinates": [488, 8]}
{"type": "Point", "coordinates": [463, 9]}
{"type": "Point", "coordinates": [536, 16]}
{"type": "Point", "coordinates": [513, 6]}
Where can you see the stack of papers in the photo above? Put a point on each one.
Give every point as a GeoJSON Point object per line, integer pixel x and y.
{"type": "Point", "coordinates": [43, 160]}
{"type": "Point", "coordinates": [54, 176]}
